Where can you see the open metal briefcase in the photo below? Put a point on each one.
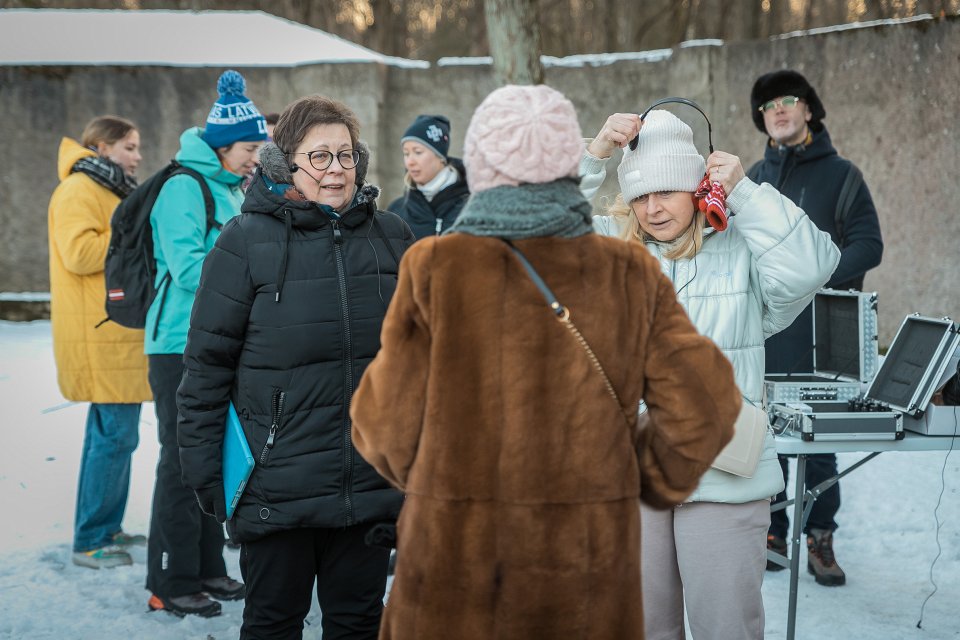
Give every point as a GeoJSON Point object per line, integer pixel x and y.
{"type": "Point", "coordinates": [900, 392]}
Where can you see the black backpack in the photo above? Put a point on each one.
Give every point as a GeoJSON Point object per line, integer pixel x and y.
{"type": "Point", "coordinates": [130, 269]}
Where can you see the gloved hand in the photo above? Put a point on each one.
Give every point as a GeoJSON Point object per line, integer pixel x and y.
{"type": "Point", "coordinates": [212, 502]}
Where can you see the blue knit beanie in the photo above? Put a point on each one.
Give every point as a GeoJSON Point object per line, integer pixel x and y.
{"type": "Point", "coordinates": [234, 117]}
{"type": "Point", "coordinates": [432, 132]}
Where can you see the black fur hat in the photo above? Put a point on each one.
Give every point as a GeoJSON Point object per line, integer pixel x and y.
{"type": "Point", "coordinates": [785, 83]}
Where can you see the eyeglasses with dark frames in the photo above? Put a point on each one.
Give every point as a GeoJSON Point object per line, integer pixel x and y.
{"type": "Point", "coordinates": [321, 160]}
{"type": "Point", "coordinates": [787, 102]}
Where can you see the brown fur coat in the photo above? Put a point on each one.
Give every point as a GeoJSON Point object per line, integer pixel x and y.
{"type": "Point", "coordinates": [522, 477]}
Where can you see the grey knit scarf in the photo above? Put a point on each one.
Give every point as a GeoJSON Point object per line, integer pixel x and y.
{"type": "Point", "coordinates": [528, 211]}
{"type": "Point", "coordinates": [106, 173]}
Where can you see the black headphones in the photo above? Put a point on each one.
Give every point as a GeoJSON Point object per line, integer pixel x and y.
{"type": "Point", "coordinates": [691, 103]}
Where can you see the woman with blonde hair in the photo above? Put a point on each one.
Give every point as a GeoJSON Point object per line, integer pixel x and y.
{"type": "Point", "coordinates": [436, 183]}
{"type": "Point", "coordinates": [97, 362]}
{"type": "Point", "coordinates": [739, 286]}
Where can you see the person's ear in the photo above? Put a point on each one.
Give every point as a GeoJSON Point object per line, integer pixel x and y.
{"type": "Point", "coordinates": [102, 148]}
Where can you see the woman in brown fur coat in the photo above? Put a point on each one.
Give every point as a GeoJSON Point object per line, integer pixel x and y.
{"type": "Point", "coordinates": [523, 475]}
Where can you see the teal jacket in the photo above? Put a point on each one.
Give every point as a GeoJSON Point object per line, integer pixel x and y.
{"type": "Point", "coordinates": [181, 241]}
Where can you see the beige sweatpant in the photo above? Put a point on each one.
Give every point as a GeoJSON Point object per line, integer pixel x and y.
{"type": "Point", "coordinates": [711, 556]}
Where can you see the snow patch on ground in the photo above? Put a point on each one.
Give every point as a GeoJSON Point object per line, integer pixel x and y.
{"type": "Point", "coordinates": [886, 542]}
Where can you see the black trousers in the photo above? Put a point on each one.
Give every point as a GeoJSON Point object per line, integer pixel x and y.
{"type": "Point", "coordinates": [819, 468]}
{"type": "Point", "coordinates": [185, 545]}
{"type": "Point", "coordinates": [279, 571]}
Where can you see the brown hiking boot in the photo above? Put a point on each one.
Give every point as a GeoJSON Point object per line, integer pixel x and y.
{"type": "Point", "coordinates": [777, 545]}
{"type": "Point", "coordinates": [821, 562]}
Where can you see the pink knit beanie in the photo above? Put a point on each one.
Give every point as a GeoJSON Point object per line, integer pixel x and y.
{"type": "Point", "coordinates": [522, 135]}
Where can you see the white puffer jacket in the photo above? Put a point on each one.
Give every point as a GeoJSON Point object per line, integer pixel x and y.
{"type": "Point", "coordinates": [746, 284]}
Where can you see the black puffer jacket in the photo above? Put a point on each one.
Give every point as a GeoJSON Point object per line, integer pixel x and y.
{"type": "Point", "coordinates": [433, 217]}
{"type": "Point", "coordinates": [286, 319]}
{"type": "Point", "coordinates": [812, 176]}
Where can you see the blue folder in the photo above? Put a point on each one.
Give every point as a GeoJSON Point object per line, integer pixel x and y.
{"type": "Point", "coordinates": [237, 461]}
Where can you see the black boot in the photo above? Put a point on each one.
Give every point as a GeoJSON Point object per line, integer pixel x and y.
{"type": "Point", "coordinates": [195, 604]}
{"type": "Point", "coordinates": [225, 588]}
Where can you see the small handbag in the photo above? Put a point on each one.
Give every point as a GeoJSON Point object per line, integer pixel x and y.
{"type": "Point", "coordinates": [562, 314]}
{"type": "Point", "coordinates": [742, 454]}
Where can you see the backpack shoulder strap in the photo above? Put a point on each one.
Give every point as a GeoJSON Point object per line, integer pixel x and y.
{"type": "Point", "coordinates": [208, 203]}
{"type": "Point", "coordinates": [848, 192]}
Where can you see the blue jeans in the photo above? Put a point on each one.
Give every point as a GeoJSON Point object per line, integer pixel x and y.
{"type": "Point", "coordinates": [113, 432]}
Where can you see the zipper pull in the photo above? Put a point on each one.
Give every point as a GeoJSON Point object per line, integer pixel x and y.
{"type": "Point", "coordinates": [439, 224]}
{"type": "Point", "coordinates": [337, 236]}
{"type": "Point", "coordinates": [273, 433]}
{"type": "Point", "coordinates": [278, 398]}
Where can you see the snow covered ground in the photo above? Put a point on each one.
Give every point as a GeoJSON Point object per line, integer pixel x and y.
{"type": "Point", "coordinates": [886, 543]}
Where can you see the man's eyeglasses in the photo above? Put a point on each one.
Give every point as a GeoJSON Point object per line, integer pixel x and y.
{"type": "Point", "coordinates": [321, 160]}
{"type": "Point", "coordinates": [787, 102]}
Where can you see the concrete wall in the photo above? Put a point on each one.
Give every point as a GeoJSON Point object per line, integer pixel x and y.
{"type": "Point", "coordinates": [891, 94]}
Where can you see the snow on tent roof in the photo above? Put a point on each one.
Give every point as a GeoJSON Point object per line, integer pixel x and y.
{"type": "Point", "coordinates": [172, 38]}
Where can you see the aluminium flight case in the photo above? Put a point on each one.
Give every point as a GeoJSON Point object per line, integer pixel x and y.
{"type": "Point", "coordinates": [925, 350]}
{"type": "Point", "coordinates": [836, 421]}
{"type": "Point", "coordinates": [845, 353]}
{"type": "Point", "coordinates": [898, 395]}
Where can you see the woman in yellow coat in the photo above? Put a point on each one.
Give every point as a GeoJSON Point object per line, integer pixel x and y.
{"type": "Point", "coordinates": [102, 365]}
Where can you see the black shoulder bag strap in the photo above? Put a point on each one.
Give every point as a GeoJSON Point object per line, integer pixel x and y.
{"type": "Point", "coordinates": [386, 240]}
{"type": "Point", "coordinates": [848, 193]}
{"type": "Point", "coordinates": [562, 314]}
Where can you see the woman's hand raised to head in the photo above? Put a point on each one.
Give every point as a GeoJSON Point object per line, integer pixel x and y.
{"type": "Point", "coordinates": [617, 131]}
{"type": "Point", "coordinates": [726, 169]}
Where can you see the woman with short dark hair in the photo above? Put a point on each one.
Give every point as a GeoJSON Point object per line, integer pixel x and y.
{"type": "Point", "coordinates": [287, 318]}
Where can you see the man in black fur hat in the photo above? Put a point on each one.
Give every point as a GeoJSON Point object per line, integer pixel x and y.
{"type": "Point", "coordinates": [801, 162]}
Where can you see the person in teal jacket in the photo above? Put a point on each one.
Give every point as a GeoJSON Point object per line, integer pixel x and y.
{"type": "Point", "coordinates": [185, 566]}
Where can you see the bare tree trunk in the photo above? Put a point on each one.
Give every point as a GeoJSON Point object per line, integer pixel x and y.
{"type": "Point", "coordinates": [808, 16]}
{"type": "Point", "coordinates": [611, 41]}
{"type": "Point", "coordinates": [388, 33]}
{"type": "Point", "coordinates": [514, 36]}
{"type": "Point", "coordinates": [775, 20]}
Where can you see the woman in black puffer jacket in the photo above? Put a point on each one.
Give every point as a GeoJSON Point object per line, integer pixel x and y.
{"type": "Point", "coordinates": [286, 319]}
{"type": "Point", "coordinates": [436, 183]}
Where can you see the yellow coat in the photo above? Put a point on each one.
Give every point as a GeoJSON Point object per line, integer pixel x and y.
{"type": "Point", "coordinates": [105, 364]}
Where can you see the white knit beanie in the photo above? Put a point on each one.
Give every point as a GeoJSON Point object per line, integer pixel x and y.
{"type": "Point", "coordinates": [665, 158]}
